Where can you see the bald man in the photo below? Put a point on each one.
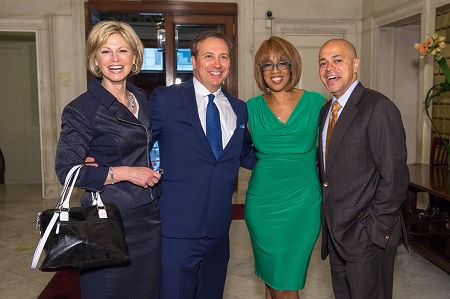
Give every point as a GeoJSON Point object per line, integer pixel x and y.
{"type": "Point", "coordinates": [364, 178]}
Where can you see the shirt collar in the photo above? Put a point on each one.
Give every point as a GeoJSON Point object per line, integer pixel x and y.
{"type": "Point", "coordinates": [202, 91]}
{"type": "Point", "coordinates": [344, 98]}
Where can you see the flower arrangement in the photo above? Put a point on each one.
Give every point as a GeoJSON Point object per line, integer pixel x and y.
{"type": "Point", "coordinates": [434, 45]}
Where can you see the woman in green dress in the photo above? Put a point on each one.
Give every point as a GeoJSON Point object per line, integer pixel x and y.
{"type": "Point", "coordinates": [282, 208]}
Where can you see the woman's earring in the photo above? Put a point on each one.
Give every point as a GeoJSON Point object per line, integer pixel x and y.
{"type": "Point", "coordinates": [97, 70]}
{"type": "Point", "coordinates": [134, 68]}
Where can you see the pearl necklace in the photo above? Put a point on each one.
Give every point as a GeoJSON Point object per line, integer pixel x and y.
{"type": "Point", "coordinates": [130, 101]}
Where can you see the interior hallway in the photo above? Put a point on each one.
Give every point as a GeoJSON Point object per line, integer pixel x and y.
{"type": "Point", "coordinates": [415, 277]}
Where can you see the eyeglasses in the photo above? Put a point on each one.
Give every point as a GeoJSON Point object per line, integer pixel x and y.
{"type": "Point", "coordinates": [268, 67]}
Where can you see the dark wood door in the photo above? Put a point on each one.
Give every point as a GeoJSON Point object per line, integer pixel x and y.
{"type": "Point", "coordinates": [179, 21]}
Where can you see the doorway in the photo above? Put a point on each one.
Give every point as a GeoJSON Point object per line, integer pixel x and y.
{"type": "Point", "coordinates": [398, 73]}
{"type": "Point", "coordinates": [19, 116]}
{"type": "Point", "coordinates": [166, 31]}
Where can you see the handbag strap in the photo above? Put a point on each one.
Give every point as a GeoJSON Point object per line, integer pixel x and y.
{"type": "Point", "coordinates": [62, 210]}
{"type": "Point", "coordinates": [66, 192]}
{"type": "Point", "coordinates": [97, 200]}
{"type": "Point", "coordinates": [40, 246]}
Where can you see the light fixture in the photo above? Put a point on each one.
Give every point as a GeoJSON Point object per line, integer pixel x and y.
{"type": "Point", "coordinates": [161, 38]}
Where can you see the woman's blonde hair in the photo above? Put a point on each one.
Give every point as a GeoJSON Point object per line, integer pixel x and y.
{"type": "Point", "coordinates": [285, 51]}
{"type": "Point", "coordinates": [99, 36]}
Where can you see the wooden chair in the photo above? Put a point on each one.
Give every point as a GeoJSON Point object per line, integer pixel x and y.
{"type": "Point", "coordinates": [438, 155]}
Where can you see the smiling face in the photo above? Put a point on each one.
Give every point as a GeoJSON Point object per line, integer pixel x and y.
{"type": "Point", "coordinates": [115, 59]}
{"type": "Point", "coordinates": [212, 63]}
{"type": "Point", "coordinates": [338, 66]}
{"type": "Point", "coordinates": [276, 79]}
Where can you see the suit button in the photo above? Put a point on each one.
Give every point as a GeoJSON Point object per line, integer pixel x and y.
{"type": "Point", "coordinates": [325, 184]}
{"type": "Point", "coordinates": [387, 237]}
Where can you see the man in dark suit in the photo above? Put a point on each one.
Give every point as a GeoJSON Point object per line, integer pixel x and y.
{"type": "Point", "coordinates": [364, 178]}
{"type": "Point", "coordinates": [198, 180]}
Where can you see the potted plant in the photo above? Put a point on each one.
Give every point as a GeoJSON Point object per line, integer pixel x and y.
{"type": "Point", "coordinates": [434, 45]}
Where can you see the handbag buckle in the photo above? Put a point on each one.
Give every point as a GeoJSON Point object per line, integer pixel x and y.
{"type": "Point", "coordinates": [64, 214]}
{"type": "Point", "coordinates": [102, 212]}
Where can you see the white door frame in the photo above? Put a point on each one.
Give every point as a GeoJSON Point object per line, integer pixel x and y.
{"type": "Point", "coordinates": [40, 27]}
{"type": "Point", "coordinates": [422, 126]}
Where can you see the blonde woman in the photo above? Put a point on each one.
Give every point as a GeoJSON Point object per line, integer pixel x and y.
{"type": "Point", "coordinates": [110, 122]}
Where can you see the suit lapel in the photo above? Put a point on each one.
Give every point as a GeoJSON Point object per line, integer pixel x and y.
{"type": "Point", "coordinates": [125, 115]}
{"type": "Point", "coordinates": [344, 121]}
{"type": "Point", "coordinates": [190, 104]}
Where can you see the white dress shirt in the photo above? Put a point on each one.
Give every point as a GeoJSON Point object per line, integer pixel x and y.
{"type": "Point", "coordinates": [227, 116]}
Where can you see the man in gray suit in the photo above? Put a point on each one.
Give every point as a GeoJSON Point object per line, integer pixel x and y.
{"type": "Point", "coordinates": [364, 178]}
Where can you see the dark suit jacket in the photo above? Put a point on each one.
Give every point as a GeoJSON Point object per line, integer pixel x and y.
{"type": "Point", "coordinates": [96, 125]}
{"type": "Point", "coordinates": [197, 188]}
{"type": "Point", "coordinates": [366, 177]}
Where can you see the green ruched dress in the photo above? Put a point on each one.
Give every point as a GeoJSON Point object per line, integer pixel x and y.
{"type": "Point", "coordinates": [282, 208]}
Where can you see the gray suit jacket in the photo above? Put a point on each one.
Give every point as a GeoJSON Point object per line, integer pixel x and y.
{"type": "Point", "coordinates": [366, 177]}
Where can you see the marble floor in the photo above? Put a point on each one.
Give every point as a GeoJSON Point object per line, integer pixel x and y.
{"type": "Point", "coordinates": [415, 277]}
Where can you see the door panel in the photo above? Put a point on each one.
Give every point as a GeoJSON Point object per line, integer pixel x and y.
{"type": "Point", "coordinates": [308, 46]}
{"type": "Point", "coordinates": [180, 19]}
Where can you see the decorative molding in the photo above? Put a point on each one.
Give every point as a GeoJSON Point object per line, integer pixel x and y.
{"type": "Point", "coordinates": [396, 17]}
{"type": "Point", "coordinates": [315, 26]}
{"type": "Point", "coordinates": [398, 14]}
{"type": "Point", "coordinates": [41, 27]}
{"type": "Point", "coordinates": [373, 25]}
{"type": "Point", "coordinates": [23, 23]}
{"type": "Point", "coordinates": [350, 29]}
{"type": "Point", "coordinates": [245, 49]}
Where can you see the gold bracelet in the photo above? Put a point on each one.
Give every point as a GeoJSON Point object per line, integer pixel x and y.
{"type": "Point", "coordinates": [111, 173]}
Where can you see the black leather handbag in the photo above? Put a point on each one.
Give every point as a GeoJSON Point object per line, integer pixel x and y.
{"type": "Point", "coordinates": [80, 237]}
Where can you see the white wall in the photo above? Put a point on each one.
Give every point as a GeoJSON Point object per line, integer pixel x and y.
{"type": "Point", "coordinates": [59, 28]}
